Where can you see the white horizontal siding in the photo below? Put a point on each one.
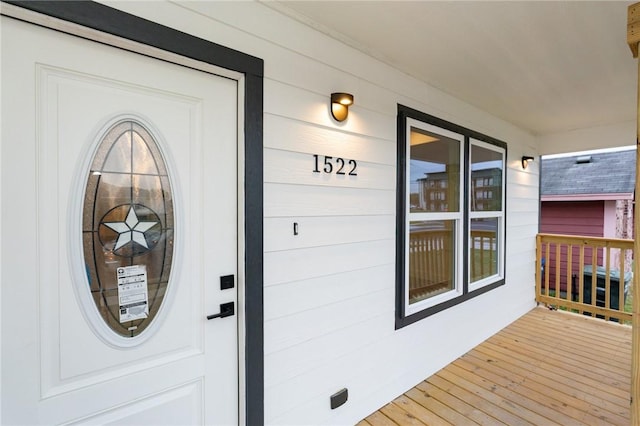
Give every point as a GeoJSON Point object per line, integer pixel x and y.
{"type": "Point", "coordinates": [291, 200]}
{"type": "Point", "coordinates": [523, 218]}
{"type": "Point", "coordinates": [298, 169]}
{"type": "Point", "coordinates": [519, 192]}
{"type": "Point", "coordinates": [329, 295]}
{"type": "Point", "coordinates": [284, 100]}
{"type": "Point", "coordinates": [518, 205]}
{"type": "Point", "coordinates": [325, 230]}
{"type": "Point", "coordinates": [335, 357]}
{"type": "Point", "coordinates": [287, 299]}
{"type": "Point", "coordinates": [522, 227]}
{"type": "Point", "coordinates": [298, 136]}
{"type": "Point", "coordinates": [295, 265]}
{"type": "Point", "coordinates": [297, 349]}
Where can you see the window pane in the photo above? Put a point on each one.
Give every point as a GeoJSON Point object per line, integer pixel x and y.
{"type": "Point", "coordinates": [432, 251]}
{"type": "Point", "coordinates": [486, 179]}
{"type": "Point", "coordinates": [118, 154]}
{"type": "Point", "coordinates": [128, 228]}
{"type": "Point", "coordinates": [483, 251]}
{"type": "Point", "coordinates": [434, 172]}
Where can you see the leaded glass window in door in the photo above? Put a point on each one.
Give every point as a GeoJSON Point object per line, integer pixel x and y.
{"type": "Point", "coordinates": [128, 228]}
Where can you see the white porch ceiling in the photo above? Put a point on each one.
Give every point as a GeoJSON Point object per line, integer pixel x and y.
{"type": "Point", "coordinates": [544, 66]}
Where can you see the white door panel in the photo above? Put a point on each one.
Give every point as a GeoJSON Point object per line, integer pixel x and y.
{"type": "Point", "coordinates": [59, 363]}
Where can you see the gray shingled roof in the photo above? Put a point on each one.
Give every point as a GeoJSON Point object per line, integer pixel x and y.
{"type": "Point", "coordinates": [606, 173]}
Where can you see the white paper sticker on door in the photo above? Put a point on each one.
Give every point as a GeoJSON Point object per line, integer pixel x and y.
{"type": "Point", "coordinates": [133, 293]}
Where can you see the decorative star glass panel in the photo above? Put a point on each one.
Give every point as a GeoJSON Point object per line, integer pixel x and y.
{"type": "Point", "coordinates": [128, 228]}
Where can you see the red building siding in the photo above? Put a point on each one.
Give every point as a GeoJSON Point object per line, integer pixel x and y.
{"type": "Point", "coordinates": [571, 218]}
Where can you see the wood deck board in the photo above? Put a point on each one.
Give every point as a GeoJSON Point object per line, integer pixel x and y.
{"type": "Point", "coordinates": [582, 341]}
{"type": "Point", "coordinates": [548, 367]}
{"type": "Point", "coordinates": [536, 393]}
{"type": "Point", "coordinates": [586, 329]}
{"type": "Point", "coordinates": [484, 400]}
{"type": "Point", "coordinates": [508, 391]}
{"type": "Point", "coordinates": [567, 395]}
{"type": "Point", "coordinates": [577, 323]}
{"type": "Point", "coordinates": [379, 419]}
{"type": "Point", "coordinates": [401, 416]}
{"type": "Point", "coordinates": [567, 369]}
{"type": "Point", "coordinates": [580, 355]}
{"type": "Point", "coordinates": [456, 398]}
{"type": "Point", "coordinates": [555, 376]}
{"type": "Point", "coordinates": [585, 344]}
{"type": "Point", "coordinates": [572, 358]}
{"type": "Point", "coordinates": [426, 414]}
{"type": "Point", "coordinates": [573, 367]}
{"type": "Point", "coordinates": [434, 405]}
{"type": "Point", "coordinates": [497, 385]}
{"type": "Point", "coordinates": [535, 402]}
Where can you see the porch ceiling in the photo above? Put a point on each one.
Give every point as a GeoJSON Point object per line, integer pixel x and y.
{"type": "Point", "coordinates": [546, 67]}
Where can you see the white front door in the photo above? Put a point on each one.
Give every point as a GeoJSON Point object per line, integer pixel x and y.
{"type": "Point", "coordinates": [89, 209]}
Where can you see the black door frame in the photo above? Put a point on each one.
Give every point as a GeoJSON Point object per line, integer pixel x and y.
{"type": "Point", "coordinates": [112, 21]}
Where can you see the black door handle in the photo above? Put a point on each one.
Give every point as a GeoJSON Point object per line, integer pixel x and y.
{"type": "Point", "coordinates": [226, 310]}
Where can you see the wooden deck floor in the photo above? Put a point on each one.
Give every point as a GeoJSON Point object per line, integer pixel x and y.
{"type": "Point", "coordinates": [547, 368]}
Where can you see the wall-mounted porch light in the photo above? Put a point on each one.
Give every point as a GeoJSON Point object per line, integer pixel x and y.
{"type": "Point", "coordinates": [525, 161]}
{"type": "Point", "coordinates": [340, 105]}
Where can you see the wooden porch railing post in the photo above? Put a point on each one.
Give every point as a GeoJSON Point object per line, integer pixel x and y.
{"type": "Point", "coordinates": [633, 38]}
{"type": "Point", "coordinates": [539, 276]}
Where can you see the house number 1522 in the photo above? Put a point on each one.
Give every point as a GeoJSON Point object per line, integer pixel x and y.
{"type": "Point", "coordinates": [326, 164]}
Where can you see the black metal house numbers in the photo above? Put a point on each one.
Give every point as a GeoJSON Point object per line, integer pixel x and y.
{"type": "Point", "coordinates": [337, 165]}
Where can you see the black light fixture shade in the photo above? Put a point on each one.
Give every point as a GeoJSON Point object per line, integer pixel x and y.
{"type": "Point", "coordinates": [525, 160]}
{"type": "Point", "coordinates": [340, 103]}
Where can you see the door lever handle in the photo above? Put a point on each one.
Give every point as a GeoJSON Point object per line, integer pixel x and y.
{"type": "Point", "coordinates": [226, 310]}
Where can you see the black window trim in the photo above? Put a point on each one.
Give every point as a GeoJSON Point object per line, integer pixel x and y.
{"type": "Point", "coordinates": [405, 112]}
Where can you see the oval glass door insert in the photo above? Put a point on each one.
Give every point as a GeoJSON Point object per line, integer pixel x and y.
{"type": "Point", "coordinates": [128, 228]}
